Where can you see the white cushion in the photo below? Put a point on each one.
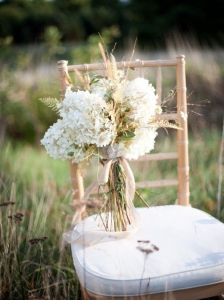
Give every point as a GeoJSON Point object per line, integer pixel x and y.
{"type": "Point", "coordinates": [191, 254]}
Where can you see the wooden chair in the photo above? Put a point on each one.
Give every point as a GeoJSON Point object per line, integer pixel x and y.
{"type": "Point", "coordinates": [178, 251]}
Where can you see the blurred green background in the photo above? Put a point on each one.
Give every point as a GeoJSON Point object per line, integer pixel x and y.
{"type": "Point", "coordinates": [152, 21]}
{"type": "Point", "coordinates": [35, 34]}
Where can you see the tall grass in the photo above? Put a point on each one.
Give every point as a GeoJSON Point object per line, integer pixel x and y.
{"type": "Point", "coordinates": [34, 209]}
{"type": "Point", "coordinates": [33, 265]}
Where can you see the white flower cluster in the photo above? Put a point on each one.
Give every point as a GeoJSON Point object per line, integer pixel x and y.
{"type": "Point", "coordinates": [59, 142]}
{"type": "Point", "coordinates": [85, 122]}
{"type": "Point", "coordinates": [87, 114]}
{"type": "Point", "coordinates": [139, 103]}
{"type": "Point", "coordinates": [140, 99]}
{"type": "Point", "coordinates": [88, 118]}
{"type": "Point", "coordinates": [142, 143]}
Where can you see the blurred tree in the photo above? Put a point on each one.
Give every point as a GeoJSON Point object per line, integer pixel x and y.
{"type": "Point", "coordinates": [52, 37]}
{"type": "Point", "coordinates": [152, 21]}
{"type": "Point", "coordinates": [149, 20]}
{"type": "Point", "coordinates": [25, 20]}
{"type": "Point", "coordinates": [81, 18]}
{"type": "Point", "coordinates": [144, 20]}
{"type": "Point", "coordinates": [71, 19]}
{"type": "Point", "coordinates": [102, 14]}
{"type": "Point", "coordinates": [89, 52]}
{"type": "Point", "coordinates": [10, 19]}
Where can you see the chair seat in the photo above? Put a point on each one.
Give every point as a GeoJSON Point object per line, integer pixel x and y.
{"type": "Point", "coordinates": [190, 255]}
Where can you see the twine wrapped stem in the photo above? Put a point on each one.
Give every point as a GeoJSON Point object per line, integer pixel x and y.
{"type": "Point", "coordinates": [118, 216]}
{"type": "Point", "coordinates": [115, 200]}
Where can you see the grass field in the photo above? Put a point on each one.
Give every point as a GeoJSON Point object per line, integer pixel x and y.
{"type": "Point", "coordinates": [33, 265]}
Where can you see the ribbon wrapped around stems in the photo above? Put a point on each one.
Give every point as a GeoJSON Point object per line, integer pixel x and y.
{"type": "Point", "coordinates": [118, 217]}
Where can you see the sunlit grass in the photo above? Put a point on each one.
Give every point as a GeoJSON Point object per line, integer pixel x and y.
{"type": "Point", "coordinates": [32, 262]}
{"type": "Point", "coordinates": [40, 187]}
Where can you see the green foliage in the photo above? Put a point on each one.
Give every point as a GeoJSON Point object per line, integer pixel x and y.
{"type": "Point", "coordinates": [126, 135]}
{"type": "Point", "coordinates": [152, 22]}
{"type": "Point", "coordinates": [35, 194]}
{"type": "Point", "coordinates": [50, 102]}
{"type": "Point", "coordinates": [5, 42]}
{"type": "Point", "coordinates": [52, 38]}
{"type": "Point", "coordinates": [52, 35]}
{"type": "Point", "coordinates": [22, 116]}
{"type": "Point", "coordinates": [89, 51]}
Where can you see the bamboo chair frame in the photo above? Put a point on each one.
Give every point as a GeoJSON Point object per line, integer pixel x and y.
{"type": "Point", "coordinates": [182, 181]}
{"type": "Point", "coordinates": [181, 155]}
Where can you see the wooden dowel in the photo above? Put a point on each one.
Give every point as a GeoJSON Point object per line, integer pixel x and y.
{"type": "Point", "coordinates": [156, 156]}
{"type": "Point", "coordinates": [157, 183]}
{"type": "Point", "coordinates": [64, 77]}
{"type": "Point", "coordinates": [122, 65]}
{"type": "Point", "coordinates": [148, 184]}
{"type": "Point", "coordinates": [182, 135]}
{"type": "Point", "coordinates": [77, 181]}
{"type": "Point", "coordinates": [159, 83]}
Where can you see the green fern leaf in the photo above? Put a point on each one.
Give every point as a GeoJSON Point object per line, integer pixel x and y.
{"type": "Point", "coordinates": [51, 102]}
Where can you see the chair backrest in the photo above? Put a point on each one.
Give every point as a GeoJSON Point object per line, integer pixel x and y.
{"type": "Point", "coordinates": [181, 155]}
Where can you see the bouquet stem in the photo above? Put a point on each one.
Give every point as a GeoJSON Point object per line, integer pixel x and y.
{"type": "Point", "coordinates": [116, 203]}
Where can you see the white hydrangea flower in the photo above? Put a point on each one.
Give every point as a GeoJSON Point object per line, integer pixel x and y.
{"type": "Point", "coordinates": [85, 122]}
{"type": "Point", "coordinates": [140, 100]}
{"type": "Point", "coordinates": [104, 85]}
{"type": "Point", "coordinates": [59, 142]}
{"type": "Point", "coordinates": [88, 116]}
{"type": "Point", "coordinates": [120, 74]}
{"type": "Point", "coordinates": [100, 87]}
{"type": "Point", "coordinates": [143, 142]}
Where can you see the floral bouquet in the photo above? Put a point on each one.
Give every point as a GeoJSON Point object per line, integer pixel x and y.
{"type": "Point", "coordinates": [113, 120]}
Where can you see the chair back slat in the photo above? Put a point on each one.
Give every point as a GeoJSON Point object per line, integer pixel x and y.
{"type": "Point", "coordinates": [182, 135]}
{"type": "Point", "coordinates": [181, 155]}
{"type": "Point", "coordinates": [157, 156]}
{"type": "Point", "coordinates": [148, 184]}
{"type": "Point", "coordinates": [122, 65]}
{"type": "Point", "coordinates": [77, 180]}
{"type": "Point", "coordinates": [157, 183]}
{"type": "Point", "coordinates": [159, 82]}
